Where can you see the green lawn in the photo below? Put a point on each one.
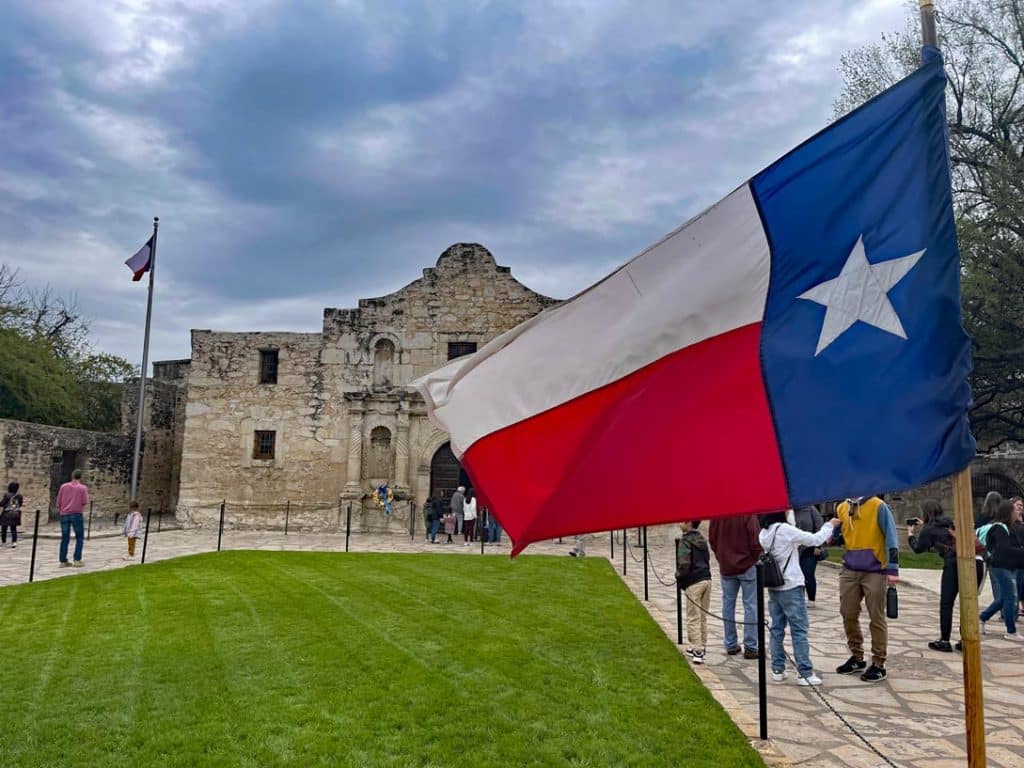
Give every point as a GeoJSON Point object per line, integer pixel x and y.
{"type": "Point", "coordinates": [320, 659]}
{"type": "Point", "coordinates": [908, 559]}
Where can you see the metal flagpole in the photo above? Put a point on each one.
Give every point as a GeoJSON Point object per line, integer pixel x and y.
{"type": "Point", "coordinates": [967, 575]}
{"type": "Point", "coordinates": [145, 366]}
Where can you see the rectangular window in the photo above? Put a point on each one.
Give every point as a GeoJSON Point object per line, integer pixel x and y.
{"type": "Point", "coordinates": [460, 348]}
{"type": "Point", "coordinates": [268, 366]}
{"type": "Point", "coordinates": [263, 444]}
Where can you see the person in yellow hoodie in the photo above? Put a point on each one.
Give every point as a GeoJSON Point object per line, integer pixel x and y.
{"type": "Point", "coordinates": [870, 565]}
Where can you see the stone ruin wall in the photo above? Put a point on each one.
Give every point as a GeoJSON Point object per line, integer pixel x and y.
{"type": "Point", "coordinates": [105, 458]}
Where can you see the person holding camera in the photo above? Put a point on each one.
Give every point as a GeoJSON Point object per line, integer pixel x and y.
{"type": "Point", "coordinates": [934, 531]}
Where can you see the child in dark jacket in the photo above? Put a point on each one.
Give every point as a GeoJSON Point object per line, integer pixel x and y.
{"type": "Point", "coordinates": [693, 571]}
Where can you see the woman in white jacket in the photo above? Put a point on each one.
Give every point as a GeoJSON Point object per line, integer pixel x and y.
{"type": "Point", "coordinates": [469, 521]}
{"type": "Point", "coordinates": [782, 540]}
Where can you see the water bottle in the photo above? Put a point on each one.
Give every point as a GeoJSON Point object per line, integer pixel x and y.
{"type": "Point", "coordinates": [892, 606]}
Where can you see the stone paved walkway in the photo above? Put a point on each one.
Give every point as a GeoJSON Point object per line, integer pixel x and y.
{"type": "Point", "coordinates": [915, 717]}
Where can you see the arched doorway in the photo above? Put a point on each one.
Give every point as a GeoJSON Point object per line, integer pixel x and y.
{"type": "Point", "coordinates": [446, 473]}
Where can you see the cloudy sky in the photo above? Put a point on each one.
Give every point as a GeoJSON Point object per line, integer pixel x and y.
{"type": "Point", "coordinates": [305, 153]}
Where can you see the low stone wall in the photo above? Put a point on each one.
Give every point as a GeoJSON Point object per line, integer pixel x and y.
{"type": "Point", "coordinates": [30, 452]}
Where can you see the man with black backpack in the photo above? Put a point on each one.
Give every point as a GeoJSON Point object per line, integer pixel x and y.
{"type": "Point", "coordinates": [693, 573]}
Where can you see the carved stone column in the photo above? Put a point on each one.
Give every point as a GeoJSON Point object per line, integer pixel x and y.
{"type": "Point", "coordinates": [402, 449]}
{"type": "Point", "coordinates": [354, 485]}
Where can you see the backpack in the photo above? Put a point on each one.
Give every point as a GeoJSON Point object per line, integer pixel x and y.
{"type": "Point", "coordinates": [684, 559]}
{"type": "Point", "coordinates": [982, 534]}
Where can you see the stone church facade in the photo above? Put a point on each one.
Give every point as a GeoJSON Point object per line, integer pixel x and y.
{"type": "Point", "coordinates": [321, 419]}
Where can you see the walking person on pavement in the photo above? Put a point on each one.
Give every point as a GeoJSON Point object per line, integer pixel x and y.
{"type": "Point", "coordinates": [870, 565]}
{"type": "Point", "coordinates": [458, 506]}
{"type": "Point", "coordinates": [809, 519]}
{"type": "Point", "coordinates": [579, 546]}
{"type": "Point", "coordinates": [934, 531]}
{"type": "Point", "coordinates": [786, 603]}
{"type": "Point", "coordinates": [10, 513]}
{"type": "Point", "coordinates": [72, 499]}
{"type": "Point", "coordinates": [1006, 557]}
{"type": "Point", "coordinates": [693, 572]}
{"type": "Point", "coordinates": [734, 541]}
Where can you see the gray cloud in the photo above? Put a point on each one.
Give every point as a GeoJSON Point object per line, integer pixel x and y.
{"type": "Point", "coordinates": [304, 154]}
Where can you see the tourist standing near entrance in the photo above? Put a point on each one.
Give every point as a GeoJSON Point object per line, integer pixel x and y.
{"type": "Point", "coordinates": [469, 518]}
{"type": "Point", "coordinates": [458, 507]}
{"type": "Point", "coordinates": [809, 519]}
{"type": "Point", "coordinates": [693, 572]}
{"type": "Point", "coordinates": [72, 499]}
{"type": "Point", "coordinates": [132, 524]}
{"type": "Point", "coordinates": [734, 541]}
{"type": "Point", "coordinates": [10, 514]}
{"type": "Point", "coordinates": [870, 564]}
{"type": "Point", "coordinates": [786, 603]}
{"type": "Point", "coordinates": [935, 532]}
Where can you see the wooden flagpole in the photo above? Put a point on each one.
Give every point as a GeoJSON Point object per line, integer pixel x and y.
{"type": "Point", "coordinates": [963, 519]}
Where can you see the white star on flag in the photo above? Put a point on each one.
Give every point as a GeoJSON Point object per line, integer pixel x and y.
{"type": "Point", "coordinates": [860, 293]}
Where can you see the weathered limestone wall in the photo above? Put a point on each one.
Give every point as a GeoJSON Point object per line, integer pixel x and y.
{"type": "Point", "coordinates": [983, 469]}
{"type": "Point", "coordinates": [29, 451]}
{"type": "Point", "coordinates": [344, 417]}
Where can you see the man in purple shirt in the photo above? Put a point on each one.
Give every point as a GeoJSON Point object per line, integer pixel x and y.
{"type": "Point", "coordinates": [72, 499]}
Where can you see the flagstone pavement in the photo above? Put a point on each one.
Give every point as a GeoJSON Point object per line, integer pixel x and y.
{"type": "Point", "coordinates": [915, 718]}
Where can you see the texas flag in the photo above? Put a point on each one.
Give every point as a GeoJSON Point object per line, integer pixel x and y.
{"type": "Point", "coordinates": [139, 263]}
{"type": "Point", "coordinates": [799, 341]}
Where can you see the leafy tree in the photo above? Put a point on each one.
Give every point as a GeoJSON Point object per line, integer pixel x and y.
{"type": "Point", "coordinates": [983, 47]}
{"type": "Point", "coordinates": [48, 371]}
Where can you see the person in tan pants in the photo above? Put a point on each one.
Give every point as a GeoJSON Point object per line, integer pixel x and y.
{"type": "Point", "coordinates": [693, 572]}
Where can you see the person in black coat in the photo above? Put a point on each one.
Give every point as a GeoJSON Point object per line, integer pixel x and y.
{"type": "Point", "coordinates": [934, 531]}
{"type": "Point", "coordinates": [10, 514]}
{"type": "Point", "coordinates": [1006, 556]}
{"type": "Point", "coordinates": [809, 519]}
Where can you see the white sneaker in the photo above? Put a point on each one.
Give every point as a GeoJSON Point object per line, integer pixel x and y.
{"type": "Point", "coordinates": [1014, 638]}
{"type": "Point", "coordinates": [778, 677]}
{"type": "Point", "coordinates": [698, 657]}
{"type": "Point", "coordinates": [811, 679]}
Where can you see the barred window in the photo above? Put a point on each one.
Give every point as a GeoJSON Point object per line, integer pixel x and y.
{"type": "Point", "coordinates": [268, 366]}
{"type": "Point", "coordinates": [263, 444]}
{"type": "Point", "coordinates": [460, 348]}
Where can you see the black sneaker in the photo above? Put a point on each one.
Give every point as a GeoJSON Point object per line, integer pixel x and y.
{"type": "Point", "coordinates": [959, 646]}
{"type": "Point", "coordinates": [733, 651]}
{"type": "Point", "coordinates": [750, 653]}
{"type": "Point", "coordinates": [853, 664]}
{"type": "Point", "coordinates": [941, 645]}
{"type": "Point", "coordinates": [874, 674]}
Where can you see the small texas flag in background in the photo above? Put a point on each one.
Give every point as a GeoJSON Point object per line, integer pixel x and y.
{"type": "Point", "coordinates": [139, 263]}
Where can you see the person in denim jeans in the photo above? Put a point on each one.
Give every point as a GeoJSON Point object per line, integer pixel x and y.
{"type": "Point", "coordinates": [786, 605]}
{"type": "Point", "coordinates": [1007, 557]}
{"type": "Point", "coordinates": [734, 542]}
{"type": "Point", "coordinates": [72, 499]}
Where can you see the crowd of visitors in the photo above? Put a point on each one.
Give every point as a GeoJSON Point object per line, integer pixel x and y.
{"type": "Point", "coordinates": [461, 515]}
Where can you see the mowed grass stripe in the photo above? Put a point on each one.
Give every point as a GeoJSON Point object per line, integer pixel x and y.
{"type": "Point", "coordinates": [277, 658]}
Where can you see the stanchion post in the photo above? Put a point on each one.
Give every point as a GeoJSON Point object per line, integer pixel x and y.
{"type": "Point", "coordinates": [412, 520]}
{"type": "Point", "coordinates": [145, 536]}
{"type": "Point", "coordinates": [287, 514]}
{"type": "Point", "coordinates": [625, 546]}
{"type": "Point", "coordinates": [481, 528]}
{"type": "Point", "coordinates": [88, 531]}
{"type": "Point", "coordinates": [348, 525]}
{"type": "Point", "coordinates": [35, 540]}
{"type": "Point", "coordinates": [679, 614]}
{"type": "Point", "coordinates": [160, 520]}
{"type": "Point", "coordinates": [220, 526]}
{"type": "Point", "coordinates": [611, 540]}
{"type": "Point", "coordinates": [762, 682]}
{"type": "Point", "coordinates": [646, 594]}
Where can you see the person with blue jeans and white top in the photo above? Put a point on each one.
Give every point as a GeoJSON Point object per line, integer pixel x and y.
{"type": "Point", "coordinates": [786, 604]}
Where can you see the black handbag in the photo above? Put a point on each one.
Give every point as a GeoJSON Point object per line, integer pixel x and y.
{"type": "Point", "coordinates": [771, 574]}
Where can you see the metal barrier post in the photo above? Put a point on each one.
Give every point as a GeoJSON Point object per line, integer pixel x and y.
{"type": "Point", "coordinates": [287, 514]}
{"type": "Point", "coordinates": [35, 539]}
{"type": "Point", "coordinates": [679, 614]}
{"type": "Point", "coordinates": [412, 520]}
{"type": "Point", "coordinates": [220, 527]}
{"type": "Point", "coordinates": [348, 525]}
{"type": "Point", "coordinates": [625, 546]}
{"type": "Point", "coordinates": [611, 540]}
{"type": "Point", "coordinates": [145, 537]}
{"type": "Point", "coordinates": [646, 595]}
{"type": "Point", "coordinates": [762, 683]}
{"type": "Point", "coordinates": [481, 528]}
{"type": "Point", "coordinates": [88, 531]}
{"type": "Point", "coordinates": [160, 520]}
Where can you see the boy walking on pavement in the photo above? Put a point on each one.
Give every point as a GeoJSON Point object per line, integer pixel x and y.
{"type": "Point", "coordinates": [132, 523]}
{"type": "Point", "coordinates": [870, 566]}
{"type": "Point", "coordinates": [693, 572]}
